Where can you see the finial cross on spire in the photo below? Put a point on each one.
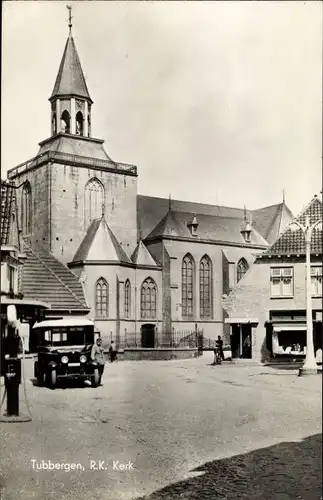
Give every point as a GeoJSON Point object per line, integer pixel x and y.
{"type": "Point", "coordinates": [69, 7]}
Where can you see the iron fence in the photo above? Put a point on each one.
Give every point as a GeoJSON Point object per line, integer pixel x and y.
{"type": "Point", "coordinates": [175, 340]}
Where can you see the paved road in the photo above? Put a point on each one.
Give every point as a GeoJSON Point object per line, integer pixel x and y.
{"type": "Point", "coordinates": [187, 429]}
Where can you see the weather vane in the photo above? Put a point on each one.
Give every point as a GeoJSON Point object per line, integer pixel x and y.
{"type": "Point", "coordinates": [69, 7]}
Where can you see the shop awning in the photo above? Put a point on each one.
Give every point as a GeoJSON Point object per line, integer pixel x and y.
{"type": "Point", "coordinates": [235, 321]}
{"type": "Point", "coordinates": [289, 328]}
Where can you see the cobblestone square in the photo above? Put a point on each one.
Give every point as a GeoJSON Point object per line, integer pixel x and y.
{"type": "Point", "coordinates": [168, 430]}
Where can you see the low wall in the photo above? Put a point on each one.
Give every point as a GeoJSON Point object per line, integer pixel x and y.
{"type": "Point", "coordinates": [160, 353]}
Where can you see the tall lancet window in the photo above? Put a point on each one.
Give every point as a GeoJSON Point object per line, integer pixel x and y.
{"type": "Point", "coordinates": [102, 298]}
{"type": "Point", "coordinates": [242, 268]}
{"type": "Point", "coordinates": [127, 299]}
{"type": "Point", "coordinates": [188, 269]}
{"type": "Point", "coordinates": [26, 209]}
{"type": "Point", "coordinates": [93, 202]}
{"type": "Point", "coordinates": [205, 287]}
{"type": "Point", "coordinates": [148, 299]}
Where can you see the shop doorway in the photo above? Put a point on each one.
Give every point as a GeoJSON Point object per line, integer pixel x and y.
{"type": "Point", "coordinates": [241, 344]}
{"type": "Point", "coordinates": [148, 335]}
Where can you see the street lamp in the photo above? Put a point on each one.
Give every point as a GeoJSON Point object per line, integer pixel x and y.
{"type": "Point", "coordinates": [309, 367]}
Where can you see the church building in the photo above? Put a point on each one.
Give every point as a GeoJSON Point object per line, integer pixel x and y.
{"type": "Point", "coordinates": [148, 266]}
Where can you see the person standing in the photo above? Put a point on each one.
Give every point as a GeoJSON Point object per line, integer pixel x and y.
{"type": "Point", "coordinates": [113, 351]}
{"type": "Point", "coordinates": [219, 347]}
{"type": "Point", "coordinates": [97, 354]}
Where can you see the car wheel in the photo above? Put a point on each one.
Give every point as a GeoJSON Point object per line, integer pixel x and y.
{"type": "Point", "coordinates": [36, 369]}
{"type": "Point", "coordinates": [95, 378]}
{"type": "Point", "coordinates": [53, 379]}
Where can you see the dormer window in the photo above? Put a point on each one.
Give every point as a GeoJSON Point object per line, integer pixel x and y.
{"type": "Point", "coordinates": [193, 226]}
{"type": "Point", "coordinates": [246, 232]}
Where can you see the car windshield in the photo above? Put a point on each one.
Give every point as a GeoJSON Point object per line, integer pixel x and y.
{"type": "Point", "coordinates": [68, 336]}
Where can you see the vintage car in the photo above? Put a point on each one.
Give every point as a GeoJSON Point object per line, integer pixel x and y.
{"type": "Point", "coordinates": [64, 351]}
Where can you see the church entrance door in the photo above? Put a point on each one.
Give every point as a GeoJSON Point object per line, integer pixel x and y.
{"type": "Point", "coordinates": [148, 335]}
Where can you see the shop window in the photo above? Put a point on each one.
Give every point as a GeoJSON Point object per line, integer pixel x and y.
{"type": "Point", "coordinates": [281, 281]}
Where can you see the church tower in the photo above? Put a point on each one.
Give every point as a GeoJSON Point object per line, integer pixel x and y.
{"type": "Point", "coordinates": [72, 181]}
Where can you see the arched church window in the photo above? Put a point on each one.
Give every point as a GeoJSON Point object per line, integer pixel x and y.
{"type": "Point", "coordinates": [26, 209]}
{"type": "Point", "coordinates": [188, 269]}
{"type": "Point", "coordinates": [127, 299]}
{"type": "Point", "coordinates": [93, 202]}
{"type": "Point", "coordinates": [148, 299]}
{"type": "Point", "coordinates": [79, 123]}
{"type": "Point", "coordinates": [206, 287]}
{"type": "Point", "coordinates": [65, 122]}
{"type": "Point", "coordinates": [102, 298]}
{"type": "Point", "coordinates": [242, 268]}
{"type": "Point", "coordinates": [54, 124]}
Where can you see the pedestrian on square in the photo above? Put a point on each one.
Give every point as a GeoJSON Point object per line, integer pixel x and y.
{"type": "Point", "coordinates": [219, 346]}
{"type": "Point", "coordinates": [97, 355]}
{"type": "Point", "coordinates": [247, 347]}
{"type": "Point", "coordinates": [113, 352]}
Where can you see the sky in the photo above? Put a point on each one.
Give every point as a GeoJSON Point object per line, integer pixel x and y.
{"type": "Point", "coordinates": [215, 102]}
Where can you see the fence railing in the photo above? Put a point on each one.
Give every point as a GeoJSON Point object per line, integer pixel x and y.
{"type": "Point", "coordinates": [175, 340]}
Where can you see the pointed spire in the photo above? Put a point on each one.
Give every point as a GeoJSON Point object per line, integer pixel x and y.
{"type": "Point", "coordinates": [170, 202]}
{"type": "Point", "coordinates": [70, 79]}
{"type": "Point", "coordinates": [284, 196]}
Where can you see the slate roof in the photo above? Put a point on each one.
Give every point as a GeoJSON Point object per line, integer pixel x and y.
{"type": "Point", "coordinates": [210, 227]}
{"type": "Point", "coordinates": [46, 279]}
{"type": "Point", "coordinates": [76, 145]}
{"type": "Point", "coordinates": [70, 78]}
{"type": "Point", "coordinates": [100, 244]}
{"type": "Point", "coordinates": [142, 257]}
{"type": "Point", "coordinates": [7, 209]}
{"type": "Point", "coordinates": [271, 221]}
{"type": "Point", "coordinates": [268, 221]}
{"type": "Point", "coordinates": [292, 241]}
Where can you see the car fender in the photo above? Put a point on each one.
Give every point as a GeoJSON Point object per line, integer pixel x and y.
{"type": "Point", "coordinates": [52, 365]}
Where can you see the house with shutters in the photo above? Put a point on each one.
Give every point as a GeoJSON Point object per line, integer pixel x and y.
{"type": "Point", "coordinates": [144, 266]}
{"type": "Point", "coordinates": [268, 305]}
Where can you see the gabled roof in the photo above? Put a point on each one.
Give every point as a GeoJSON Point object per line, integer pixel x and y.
{"type": "Point", "coordinates": [151, 210]}
{"type": "Point", "coordinates": [70, 78]}
{"type": "Point", "coordinates": [210, 227]}
{"type": "Point", "coordinates": [46, 279]}
{"type": "Point", "coordinates": [292, 241]}
{"type": "Point", "coordinates": [100, 244]}
{"type": "Point", "coordinates": [271, 221]}
{"type": "Point", "coordinates": [142, 257]}
{"type": "Point", "coordinates": [166, 227]}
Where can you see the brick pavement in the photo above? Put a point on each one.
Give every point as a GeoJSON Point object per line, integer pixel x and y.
{"type": "Point", "coordinates": [170, 419]}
